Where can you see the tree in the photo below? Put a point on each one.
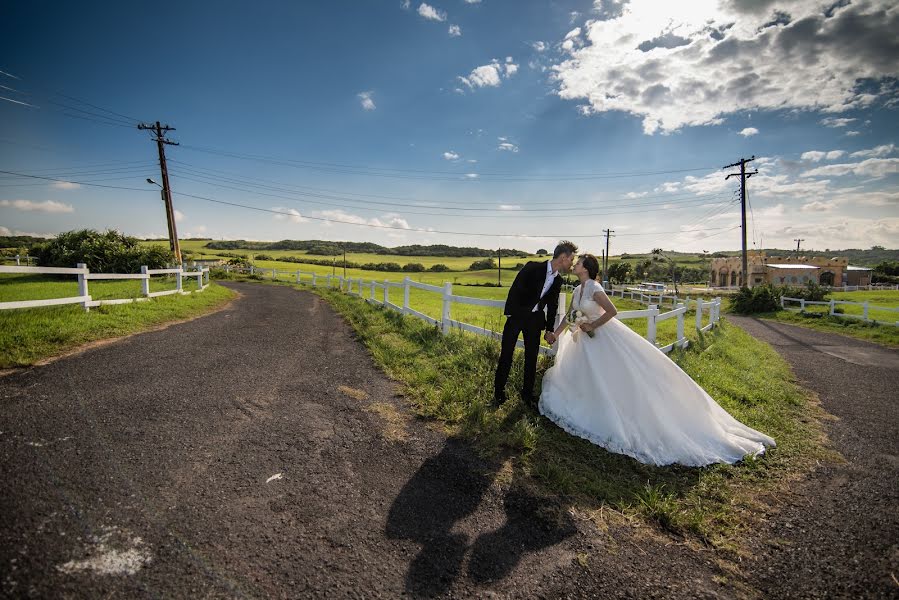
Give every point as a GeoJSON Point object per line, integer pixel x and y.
{"type": "Point", "coordinates": [414, 267]}
{"type": "Point", "coordinates": [542, 252]}
{"type": "Point", "coordinates": [481, 265]}
{"type": "Point", "coordinates": [659, 254]}
{"type": "Point", "coordinates": [619, 272]}
{"type": "Point", "coordinates": [107, 252]}
{"type": "Point", "coordinates": [439, 268]}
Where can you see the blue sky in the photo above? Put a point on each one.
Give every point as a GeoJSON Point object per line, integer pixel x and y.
{"type": "Point", "coordinates": [490, 123]}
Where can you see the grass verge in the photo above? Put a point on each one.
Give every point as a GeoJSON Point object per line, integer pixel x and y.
{"type": "Point", "coordinates": [885, 335]}
{"type": "Point", "coordinates": [449, 379]}
{"type": "Point", "coordinates": [32, 334]}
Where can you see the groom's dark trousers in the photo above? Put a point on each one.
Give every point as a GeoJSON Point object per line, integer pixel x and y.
{"type": "Point", "coordinates": [523, 296]}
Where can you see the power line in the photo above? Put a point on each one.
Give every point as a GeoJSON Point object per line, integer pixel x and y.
{"type": "Point", "coordinates": [113, 187]}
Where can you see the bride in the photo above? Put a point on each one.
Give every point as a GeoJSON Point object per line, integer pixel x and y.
{"type": "Point", "coordinates": [620, 392]}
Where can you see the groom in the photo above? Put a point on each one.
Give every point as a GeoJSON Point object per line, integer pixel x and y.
{"type": "Point", "coordinates": [536, 287]}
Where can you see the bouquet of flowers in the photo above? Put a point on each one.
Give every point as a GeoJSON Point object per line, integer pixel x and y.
{"type": "Point", "coordinates": [575, 318]}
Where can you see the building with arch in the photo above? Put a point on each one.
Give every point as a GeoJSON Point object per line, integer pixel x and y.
{"type": "Point", "coordinates": [786, 270]}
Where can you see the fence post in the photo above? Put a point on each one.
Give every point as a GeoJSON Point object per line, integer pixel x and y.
{"type": "Point", "coordinates": [386, 292]}
{"type": "Point", "coordinates": [313, 279]}
{"type": "Point", "coordinates": [298, 276]}
{"type": "Point", "coordinates": [832, 306]}
{"type": "Point", "coordinates": [329, 282]}
{"type": "Point", "coordinates": [145, 283]}
{"type": "Point", "coordinates": [680, 324]}
{"type": "Point", "coordinates": [447, 292]}
{"type": "Point", "coordinates": [802, 305]}
{"type": "Point", "coordinates": [273, 274]}
{"type": "Point", "coordinates": [179, 283]}
{"type": "Point", "coordinates": [82, 283]}
{"type": "Point", "coordinates": [561, 313]}
{"type": "Point", "coordinates": [651, 323]}
{"type": "Point", "coordinates": [699, 304]}
{"type": "Point", "coordinates": [18, 264]}
{"type": "Point", "coordinates": [782, 301]}
{"type": "Point", "coordinates": [406, 287]}
{"type": "Point", "coordinates": [865, 310]}
{"type": "Point", "coordinates": [252, 269]}
{"type": "Point", "coordinates": [372, 290]}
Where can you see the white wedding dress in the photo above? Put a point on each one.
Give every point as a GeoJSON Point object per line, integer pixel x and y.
{"type": "Point", "coordinates": [620, 392]}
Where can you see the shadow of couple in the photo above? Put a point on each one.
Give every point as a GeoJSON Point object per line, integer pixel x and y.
{"type": "Point", "coordinates": [448, 488]}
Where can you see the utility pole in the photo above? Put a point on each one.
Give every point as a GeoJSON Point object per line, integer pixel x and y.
{"type": "Point", "coordinates": [499, 267]}
{"type": "Point", "coordinates": [743, 177]}
{"type": "Point", "coordinates": [161, 142]}
{"type": "Point", "coordinates": [797, 243]}
{"type": "Point", "coordinates": [605, 262]}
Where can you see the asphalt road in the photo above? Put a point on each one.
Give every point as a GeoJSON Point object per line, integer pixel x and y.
{"type": "Point", "coordinates": [838, 534]}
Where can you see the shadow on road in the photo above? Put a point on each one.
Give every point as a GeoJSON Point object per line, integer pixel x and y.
{"type": "Point", "coordinates": [448, 488]}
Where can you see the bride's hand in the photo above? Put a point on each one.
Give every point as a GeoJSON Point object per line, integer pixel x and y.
{"type": "Point", "coordinates": [587, 327]}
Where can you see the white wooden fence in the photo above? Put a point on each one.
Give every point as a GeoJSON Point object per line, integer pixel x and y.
{"type": "Point", "coordinates": [84, 275]}
{"type": "Point", "coordinates": [377, 292]}
{"type": "Point", "coordinates": [832, 304]}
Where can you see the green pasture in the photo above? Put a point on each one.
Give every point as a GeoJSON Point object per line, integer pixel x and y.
{"type": "Point", "coordinates": [16, 287]}
{"type": "Point", "coordinates": [878, 301]}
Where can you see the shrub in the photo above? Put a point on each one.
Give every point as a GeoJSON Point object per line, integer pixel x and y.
{"type": "Point", "coordinates": [762, 298]}
{"type": "Point", "coordinates": [263, 257]}
{"type": "Point", "coordinates": [480, 265]}
{"type": "Point", "coordinates": [439, 268]}
{"type": "Point", "coordinates": [107, 252]}
{"type": "Point", "coordinates": [414, 267]}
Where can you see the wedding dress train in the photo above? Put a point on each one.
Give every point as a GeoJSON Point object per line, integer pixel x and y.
{"type": "Point", "coordinates": [619, 392]}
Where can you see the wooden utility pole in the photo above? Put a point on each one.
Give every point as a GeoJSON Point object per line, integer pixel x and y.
{"type": "Point", "coordinates": [161, 142]}
{"type": "Point", "coordinates": [605, 261]}
{"type": "Point", "coordinates": [499, 267]}
{"type": "Point", "coordinates": [743, 177]}
{"type": "Point", "coordinates": [798, 240]}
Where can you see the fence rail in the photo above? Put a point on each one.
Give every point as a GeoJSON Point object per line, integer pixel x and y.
{"type": "Point", "coordinates": [368, 291]}
{"type": "Point", "coordinates": [84, 275]}
{"type": "Point", "coordinates": [832, 305]}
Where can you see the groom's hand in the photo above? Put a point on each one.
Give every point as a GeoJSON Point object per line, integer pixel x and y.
{"type": "Point", "coordinates": [550, 337]}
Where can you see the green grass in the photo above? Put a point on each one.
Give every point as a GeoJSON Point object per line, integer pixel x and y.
{"type": "Point", "coordinates": [41, 287]}
{"type": "Point", "coordinates": [32, 334]}
{"type": "Point", "coordinates": [886, 335]}
{"type": "Point", "coordinates": [449, 379]}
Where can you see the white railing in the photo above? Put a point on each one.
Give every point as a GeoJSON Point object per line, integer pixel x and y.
{"type": "Point", "coordinates": [859, 288]}
{"type": "Point", "coordinates": [377, 292]}
{"type": "Point", "coordinates": [84, 275]}
{"type": "Point", "coordinates": [832, 305]}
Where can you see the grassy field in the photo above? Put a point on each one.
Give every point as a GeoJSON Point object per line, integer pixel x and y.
{"type": "Point", "coordinates": [449, 379]}
{"type": "Point", "coordinates": [40, 287]}
{"type": "Point", "coordinates": [887, 335]}
{"type": "Point", "coordinates": [31, 334]}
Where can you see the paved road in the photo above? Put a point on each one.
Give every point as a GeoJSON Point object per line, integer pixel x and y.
{"type": "Point", "coordinates": [258, 452]}
{"type": "Point", "coordinates": [839, 535]}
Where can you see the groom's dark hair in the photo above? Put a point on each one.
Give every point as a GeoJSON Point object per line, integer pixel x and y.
{"type": "Point", "coordinates": [564, 247]}
{"type": "Point", "coordinates": [591, 263]}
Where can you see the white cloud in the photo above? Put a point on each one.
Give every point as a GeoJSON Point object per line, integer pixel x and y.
{"type": "Point", "coordinates": [430, 13]}
{"type": "Point", "coordinates": [680, 64]}
{"type": "Point", "coordinates": [472, 1]}
{"type": "Point", "coordinates": [367, 102]}
{"type": "Point", "coordinates": [872, 167]}
{"type": "Point", "coordinates": [818, 156]}
{"type": "Point", "coordinates": [47, 206]}
{"type": "Point", "coordinates": [538, 46]}
{"type": "Point", "coordinates": [509, 207]}
{"type": "Point", "coordinates": [471, 175]}
{"type": "Point", "coordinates": [836, 122]}
{"type": "Point", "coordinates": [472, 160]}
{"type": "Point", "coordinates": [635, 194]}
{"type": "Point", "coordinates": [405, 4]}
{"type": "Point", "coordinates": [389, 220]}
{"type": "Point", "coordinates": [7, 231]}
{"type": "Point", "coordinates": [455, 31]}
{"type": "Point", "coordinates": [66, 185]}
{"type": "Point", "coordinates": [816, 206]}
{"type": "Point", "coordinates": [507, 147]}
{"type": "Point", "coordinates": [289, 214]}
{"type": "Point", "coordinates": [450, 155]}
{"type": "Point", "coordinates": [748, 131]}
{"type": "Point", "coordinates": [852, 133]}
{"type": "Point", "coordinates": [490, 75]}
{"type": "Point", "coordinates": [179, 216]}
{"type": "Point", "coordinates": [876, 152]}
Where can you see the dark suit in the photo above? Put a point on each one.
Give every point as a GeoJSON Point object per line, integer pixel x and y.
{"type": "Point", "coordinates": [523, 296]}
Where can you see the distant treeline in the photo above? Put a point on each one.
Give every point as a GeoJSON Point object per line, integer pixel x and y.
{"type": "Point", "coordinates": [325, 248]}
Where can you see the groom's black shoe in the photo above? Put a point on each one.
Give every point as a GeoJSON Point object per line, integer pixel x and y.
{"type": "Point", "coordinates": [499, 399]}
{"type": "Point", "coordinates": [529, 400]}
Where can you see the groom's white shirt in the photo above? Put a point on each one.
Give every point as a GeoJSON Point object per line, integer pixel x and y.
{"type": "Point", "coordinates": [550, 276]}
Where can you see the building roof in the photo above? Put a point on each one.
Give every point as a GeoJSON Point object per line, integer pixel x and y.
{"type": "Point", "coordinates": [851, 268]}
{"type": "Point", "coordinates": [782, 266]}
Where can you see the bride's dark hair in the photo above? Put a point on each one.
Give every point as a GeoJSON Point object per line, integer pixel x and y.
{"type": "Point", "coordinates": [591, 264]}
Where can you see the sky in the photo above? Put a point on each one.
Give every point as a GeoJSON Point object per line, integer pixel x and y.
{"type": "Point", "coordinates": [488, 123]}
